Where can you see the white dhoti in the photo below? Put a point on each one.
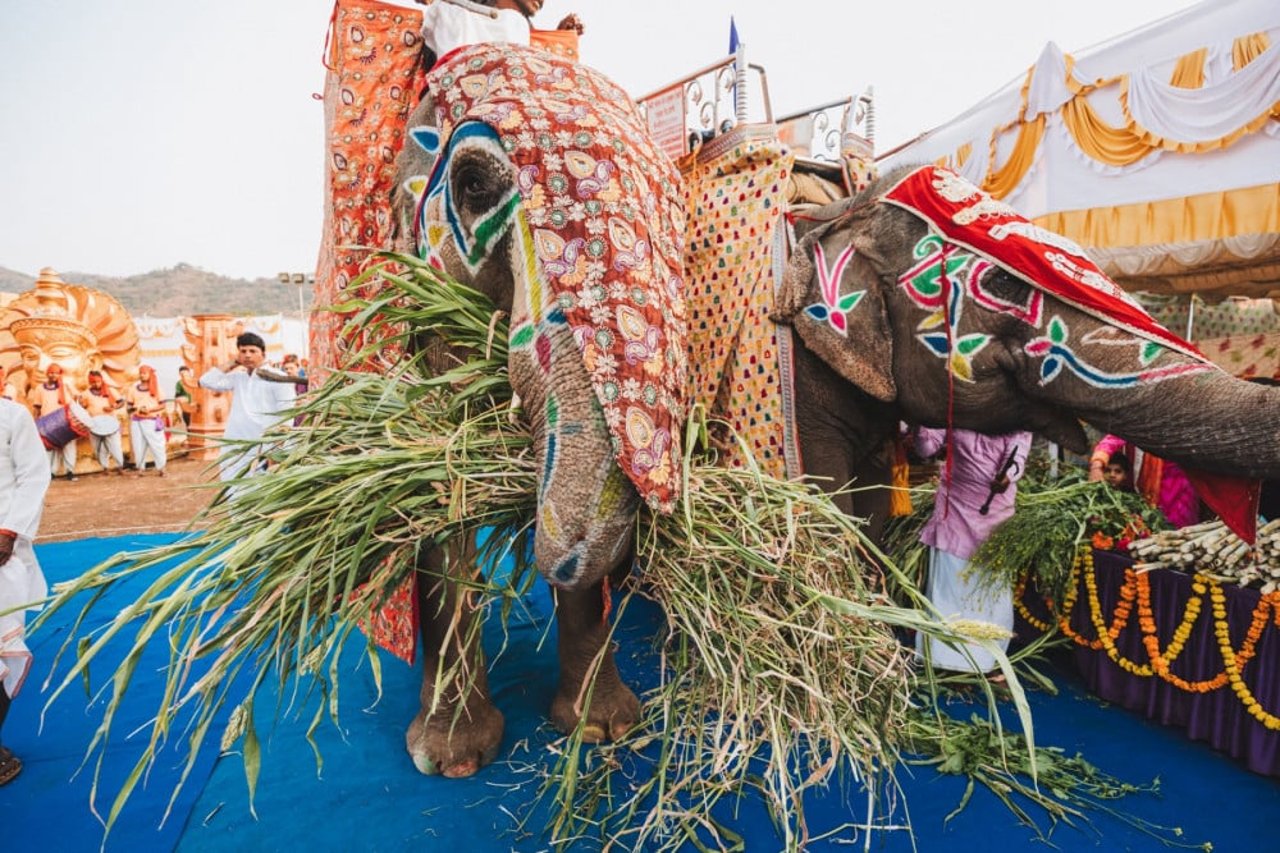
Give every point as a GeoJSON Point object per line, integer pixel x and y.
{"type": "Point", "coordinates": [106, 447]}
{"type": "Point", "coordinates": [21, 583]}
{"type": "Point", "coordinates": [67, 453]}
{"type": "Point", "coordinates": [955, 596]}
{"type": "Point", "coordinates": [147, 434]}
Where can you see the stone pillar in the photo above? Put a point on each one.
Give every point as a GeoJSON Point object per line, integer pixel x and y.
{"type": "Point", "coordinates": [211, 340]}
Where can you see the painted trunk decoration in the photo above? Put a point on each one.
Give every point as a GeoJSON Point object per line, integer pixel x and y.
{"type": "Point", "coordinates": [591, 223]}
{"type": "Point", "coordinates": [929, 269]}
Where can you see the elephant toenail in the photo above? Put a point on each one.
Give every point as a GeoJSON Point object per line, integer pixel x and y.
{"type": "Point", "coordinates": [425, 765]}
{"type": "Point", "coordinates": [462, 769]}
{"type": "Point", "coordinates": [592, 733]}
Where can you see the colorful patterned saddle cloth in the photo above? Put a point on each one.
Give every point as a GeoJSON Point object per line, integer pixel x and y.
{"type": "Point", "coordinates": [603, 210]}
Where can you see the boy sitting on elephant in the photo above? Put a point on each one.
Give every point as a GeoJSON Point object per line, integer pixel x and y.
{"type": "Point", "coordinates": [448, 25]}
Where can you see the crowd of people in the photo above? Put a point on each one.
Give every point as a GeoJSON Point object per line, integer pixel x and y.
{"type": "Point", "coordinates": [27, 464]}
{"type": "Point", "coordinates": [103, 412]}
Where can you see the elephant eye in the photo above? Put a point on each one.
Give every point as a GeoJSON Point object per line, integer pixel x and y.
{"type": "Point", "coordinates": [475, 188]}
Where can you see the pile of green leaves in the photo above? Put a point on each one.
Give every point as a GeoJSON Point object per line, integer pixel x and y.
{"type": "Point", "coordinates": [1040, 540]}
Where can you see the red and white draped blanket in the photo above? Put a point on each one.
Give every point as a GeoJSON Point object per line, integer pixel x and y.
{"type": "Point", "coordinates": [968, 218]}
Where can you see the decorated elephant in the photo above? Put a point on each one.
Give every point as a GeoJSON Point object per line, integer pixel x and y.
{"type": "Point", "coordinates": [533, 180]}
{"type": "Point", "coordinates": [924, 299]}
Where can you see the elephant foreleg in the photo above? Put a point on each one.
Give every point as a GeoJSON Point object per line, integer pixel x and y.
{"type": "Point", "coordinates": [585, 650]}
{"type": "Point", "coordinates": [458, 730]}
{"type": "Point", "coordinates": [870, 500]}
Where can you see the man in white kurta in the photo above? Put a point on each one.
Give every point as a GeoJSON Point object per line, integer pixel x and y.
{"type": "Point", "coordinates": [255, 405]}
{"type": "Point", "coordinates": [24, 479]}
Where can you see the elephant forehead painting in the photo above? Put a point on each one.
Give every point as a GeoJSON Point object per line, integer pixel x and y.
{"type": "Point", "coordinates": [969, 233]}
{"type": "Point", "coordinates": [596, 221]}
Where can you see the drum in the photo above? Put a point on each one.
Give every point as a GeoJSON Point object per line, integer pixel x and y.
{"type": "Point", "coordinates": [63, 426]}
{"type": "Point", "coordinates": [104, 425]}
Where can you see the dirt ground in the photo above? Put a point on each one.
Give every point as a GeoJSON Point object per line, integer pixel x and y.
{"type": "Point", "coordinates": [109, 504]}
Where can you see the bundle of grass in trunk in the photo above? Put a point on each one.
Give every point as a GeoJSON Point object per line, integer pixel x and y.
{"type": "Point", "coordinates": [781, 667]}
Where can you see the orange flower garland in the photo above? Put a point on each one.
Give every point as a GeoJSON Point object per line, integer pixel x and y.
{"type": "Point", "coordinates": [1107, 636]}
{"type": "Point", "coordinates": [1137, 587]}
{"type": "Point", "coordinates": [1041, 625]}
{"type": "Point", "coordinates": [1151, 640]}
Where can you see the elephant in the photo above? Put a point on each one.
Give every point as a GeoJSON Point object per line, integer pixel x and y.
{"type": "Point", "coordinates": [896, 320]}
{"type": "Point", "coordinates": [903, 314]}
{"type": "Point", "coordinates": [533, 180]}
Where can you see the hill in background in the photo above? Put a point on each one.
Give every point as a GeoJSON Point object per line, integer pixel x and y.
{"type": "Point", "coordinates": [181, 290]}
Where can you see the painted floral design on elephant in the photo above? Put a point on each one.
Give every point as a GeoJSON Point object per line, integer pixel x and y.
{"type": "Point", "coordinates": [833, 308]}
{"type": "Point", "coordinates": [1058, 354]}
{"type": "Point", "coordinates": [937, 283]}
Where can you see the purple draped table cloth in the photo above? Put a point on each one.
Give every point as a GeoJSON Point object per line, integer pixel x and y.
{"type": "Point", "coordinates": [1217, 717]}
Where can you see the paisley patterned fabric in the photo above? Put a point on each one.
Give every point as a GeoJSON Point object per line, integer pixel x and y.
{"type": "Point", "coordinates": [373, 81]}
{"type": "Point", "coordinates": [739, 365]}
{"type": "Point", "coordinates": [604, 209]}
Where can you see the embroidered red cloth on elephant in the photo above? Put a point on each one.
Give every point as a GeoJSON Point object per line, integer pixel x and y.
{"type": "Point", "coordinates": [605, 212]}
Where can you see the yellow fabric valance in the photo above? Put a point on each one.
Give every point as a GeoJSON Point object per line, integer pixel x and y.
{"type": "Point", "coordinates": [1188, 73]}
{"type": "Point", "coordinates": [1000, 182]}
{"type": "Point", "coordinates": [956, 161]}
{"type": "Point", "coordinates": [1247, 48]}
{"type": "Point", "coordinates": [1115, 146]}
{"type": "Point", "coordinates": [1209, 216]}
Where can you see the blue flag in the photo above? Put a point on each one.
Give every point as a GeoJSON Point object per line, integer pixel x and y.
{"type": "Point", "coordinates": [733, 36]}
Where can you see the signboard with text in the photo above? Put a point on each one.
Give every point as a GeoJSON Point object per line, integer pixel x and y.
{"type": "Point", "coordinates": [665, 113]}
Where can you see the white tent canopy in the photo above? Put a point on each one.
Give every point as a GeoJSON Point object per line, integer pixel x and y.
{"type": "Point", "coordinates": [1158, 150]}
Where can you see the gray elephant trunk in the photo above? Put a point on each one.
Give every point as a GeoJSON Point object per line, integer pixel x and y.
{"type": "Point", "coordinates": [1209, 421]}
{"type": "Point", "coordinates": [586, 505]}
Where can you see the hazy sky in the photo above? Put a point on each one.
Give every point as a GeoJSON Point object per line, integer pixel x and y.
{"type": "Point", "coordinates": [137, 134]}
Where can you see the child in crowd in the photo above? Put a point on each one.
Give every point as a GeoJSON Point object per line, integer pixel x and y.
{"type": "Point", "coordinates": [1161, 482]}
{"type": "Point", "coordinates": [1117, 474]}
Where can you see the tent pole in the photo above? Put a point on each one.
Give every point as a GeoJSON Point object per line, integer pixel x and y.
{"type": "Point", "coordinates": [1191, 315]}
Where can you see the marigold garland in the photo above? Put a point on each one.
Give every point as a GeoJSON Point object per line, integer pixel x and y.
{"type": "Point", "coordinates": [1235, 664]}
{"type": "Point", "coordinates": [1137, 589]}
{"type": "Point", "coordinates": [1107, 636]}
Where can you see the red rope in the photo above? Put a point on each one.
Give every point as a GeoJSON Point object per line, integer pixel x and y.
{"type": "Point", "coordinates": [793, 216]}
{"type": "Point", "coordinates": [945, 284]}
{"type": "Point", "coordinates": [606, 593]}
{"type": "Point", "coordinates": [330, 43]}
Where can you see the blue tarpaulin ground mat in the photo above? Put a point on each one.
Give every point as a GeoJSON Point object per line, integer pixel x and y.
{"type": "Point", "coordinates": [369, 797]}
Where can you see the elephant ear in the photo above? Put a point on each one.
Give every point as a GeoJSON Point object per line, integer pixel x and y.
{"type": "Point", "coordinates": [831, 296]}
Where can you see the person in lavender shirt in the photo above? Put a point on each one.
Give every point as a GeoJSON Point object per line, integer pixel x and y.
{"type": "Point", "coordinates": [984, 473]}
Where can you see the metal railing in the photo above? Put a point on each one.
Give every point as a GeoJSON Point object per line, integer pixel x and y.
{"type": "Point", "coordinates": [826, 131]}
{"type": "Point", "coordinates": [714, 98]}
